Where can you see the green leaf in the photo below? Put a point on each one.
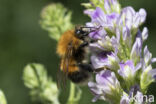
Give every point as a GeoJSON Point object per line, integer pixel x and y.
{"type": "Point", "coordinates": [42, 88]}
{"type": "Point", "coordinates": [2, 98]}
{"type": "Point", "coordinates": [56, 19]}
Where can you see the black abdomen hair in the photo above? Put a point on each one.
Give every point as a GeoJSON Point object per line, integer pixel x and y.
{"type": "Point", "coordinates": [82, 75]}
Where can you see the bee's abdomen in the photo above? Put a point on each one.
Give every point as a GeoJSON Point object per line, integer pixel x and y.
{"type": "Point", "coordinates": [78, 76]}
{"type": "Point", "coordinates": [82, 75]}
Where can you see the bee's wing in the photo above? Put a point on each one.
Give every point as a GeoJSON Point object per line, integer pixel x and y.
{"type": "Point", "coordinates": [62, 74]}
{"type": "Point", "coordinates": [67, 58]}
{"type": "Point", "coordinates": [61, 77]}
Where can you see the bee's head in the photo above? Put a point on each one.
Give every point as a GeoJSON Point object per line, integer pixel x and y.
{"type": "Point", "coordinates": [81, 32]}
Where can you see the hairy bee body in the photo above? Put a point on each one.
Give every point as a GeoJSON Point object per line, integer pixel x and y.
{"type": "Point", "coordinates": [73, 52]}
{"type": "Point", "coordinates": [66, 39]}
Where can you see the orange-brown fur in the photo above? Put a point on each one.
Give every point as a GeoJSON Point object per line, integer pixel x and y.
{"type": "Point", "coordinates": [62, 47]}
{"type": "Point", "coordinates": [64, 41]}
{"type": "Point", "coordinates": [71, 66]}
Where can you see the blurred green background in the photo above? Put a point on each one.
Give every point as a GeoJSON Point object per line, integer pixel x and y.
{"type": "Point", "coordinates": [22, 41]}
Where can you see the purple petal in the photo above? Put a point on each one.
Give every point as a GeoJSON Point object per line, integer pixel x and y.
{"type": "Point", "coordinates": [136, 21]}
{"type": "Point", "coordinates": [138, 66]}
{"type": "Point", "coordinates": [103, 55]}
{"type": "Point", "coordinates": [114, 2]}
{"type": "Point", "coordinates": [129, 14]}
{"type": "Point", "coordinates": [139, 18]}
{"type": "Point", "coordinates": [153, 60]}
{"type": "Point", "coordinates": [108, 79]}
{"type": "Point", "coordinates": [96, 62]}
{"type": "Point", "coordinates": [147, 56]}
{"type": "Point", "coordinates": [93, 88]}
{"type": "Point", "coordinates": [98, 34]}
{"type": "Point", "coordinates": [98, 16]}
{"type": "Point", "coordinates": [127, 36]}
{"type": "Point", "coordinates": [98, 13]}
{"type": "Point", "coordinates": [124, 99]}
{"type": "Point", "coordinates": [88, 12]}
{"type": "Point", "coordinates": [110, 20]}
{"type": "Point", "coordinates": [107, 5]}
{"type": "Point", "coordinates": [89, 24]}
{"type": "Point", "coordinates": [103, 76]}
{"type": "Point", "coordinates": [130, 64]}
{"type": "Point", "coordinates": [129, 11]}
{"type": "Point", "coordinates": [113, 16]}
{"type": "Point", "coordinates": [133, 90]}
{"type": "Point", "coordinates": [94, 35]}
{"type": "Point", "coordinates": [136, 50]}
{"type": "Point", "coordinates": [139, 98]}
{"type": "Point", "coordinates": [142, 14]}
{"type": "Point", "coordinates": [96, 98]}
{"type": "Point", "coordinates": [118, 35]}
{"type": "Point", "coordinates": [153, 73]}
{"type": "Point", "coordinates": [95, 47]}
{"type": "Point", "coordinates": [127, 69]}
{"type": "Point", "coordinates": [106, 82]}
{"type": "Point", "coordinates": [115, 42]}
{"type": "Point", "coordinates": [145, 33]}
{"type": "Point", "coordinates": [100, 60]}
{"type": "Point", "coordinates": [126, 33]}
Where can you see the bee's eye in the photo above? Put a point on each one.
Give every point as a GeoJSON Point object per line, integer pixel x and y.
{"type": "Point", "coordinates": [77, 32]}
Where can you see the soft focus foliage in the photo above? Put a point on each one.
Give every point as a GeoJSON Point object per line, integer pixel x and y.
{"type": "Point", "coordinates": [42, 88]}
{"type": "Point", "coordinates": [2, 98]}
{"type": "Point", "coordinates": [107, 5]}
{"type": "Point", "coordinates": [56, 19]}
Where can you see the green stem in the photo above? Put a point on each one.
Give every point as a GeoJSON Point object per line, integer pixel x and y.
{"type": "Point", "coordinates": [72, 93]}
{"type": "Point", "coordinates": [73, 97]}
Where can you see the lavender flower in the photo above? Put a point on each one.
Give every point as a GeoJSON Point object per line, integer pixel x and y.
{"type": "Point", "coordinates": [105, 59]}
{"type": "Point", "coordinates": [131, 18]}
{"type": "Point", "coordinates": [149, 74]}
{"type": "Point", "coordinates": [118, 51]}
{"type": "Point", "coordinates": [136, 50]}
{"type": "Point", "coordinates": [107, 86]}
{"type": "Point", "coordinates": [128, 71]}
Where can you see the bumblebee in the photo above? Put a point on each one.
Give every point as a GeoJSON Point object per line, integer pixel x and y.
{"type": "Point", "coordinates": [73, 50]}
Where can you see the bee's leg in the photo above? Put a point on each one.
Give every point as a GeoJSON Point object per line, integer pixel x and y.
{"type": "Point", "coordinates": [86, 67]}
{"type": "Point", "coordinates": [85, 43]}
{"type": "Point", "coordinates": [93, 40]}
{"type": "Point", "coordinates": [85, 34]}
